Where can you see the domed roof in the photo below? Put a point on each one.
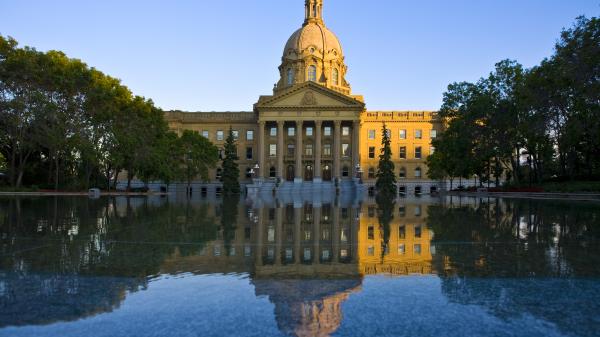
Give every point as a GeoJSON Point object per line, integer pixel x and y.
{"type": "Point", "coordinates": [314, 35]}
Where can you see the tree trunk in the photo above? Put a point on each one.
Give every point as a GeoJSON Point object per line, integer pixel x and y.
{"type": "Point", "coordinates": [56, 173]}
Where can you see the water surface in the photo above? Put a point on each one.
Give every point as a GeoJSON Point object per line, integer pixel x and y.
{"type": "Point", "coordinates": [213, 267]}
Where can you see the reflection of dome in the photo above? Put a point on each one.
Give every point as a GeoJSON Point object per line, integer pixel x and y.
{"type": "Point", "coordinates": [307, 307]}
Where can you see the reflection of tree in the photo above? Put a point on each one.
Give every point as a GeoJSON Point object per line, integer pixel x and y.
{"type": "Point", "coordinates": [54, 246]}
{"type": "Point", "coordinates": [229, 220]}
{"type": "Point", "coordinates": [385, 215]}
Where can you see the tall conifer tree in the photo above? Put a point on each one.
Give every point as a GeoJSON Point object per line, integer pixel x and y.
{"type": "Point", "coordinates": [231, 171]}
{"type": "Point", "coordinates": [386, 178]}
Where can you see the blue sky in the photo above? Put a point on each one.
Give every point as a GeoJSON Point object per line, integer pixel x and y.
{"type": "Point", "coordinates": [221, 55]}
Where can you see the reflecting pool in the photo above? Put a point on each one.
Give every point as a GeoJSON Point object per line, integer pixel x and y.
{"type": "Point", "coordinates": [168, 266]}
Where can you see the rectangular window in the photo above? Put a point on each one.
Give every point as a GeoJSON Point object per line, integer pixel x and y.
{"type": "Point", "coordinates": [402, 232]}
{"type": "Point", "coordinates": [402, 134]}
{"type": "Point", "coordinates": [371, 134]}
{"type": "Point", "coordinates": [327, 131]}
{"type": "Point", "coordinates": [249, 153]}
{"type": "Point", "coordinates": [327, 150]}
{"type": "Point", "coordinates": [291, 131]}
{"type": "Point", "coordinates": [418, 134]}
{"type": "Point", "coordinates": [273, 150]}
{"type": "Point", "coordinates": [370, 250]}
{"type": "Point", "coordinates": [401, 249]}
{"type": "Point", "coordinates": [249, 135]}
{"type": "Point", "coordinates": [306, 254]}
{"type": "Point", "coordinates": [345, 131]}
{"type": "Point", "coordinates": [309, 131]}
{"type": "Point", "coordinates": [220, 135]}
{"type": "Point", "coordinates": [418, 210]}
{"type": "Point", "coordinates": [433, 133]}
{"type": "Point", "coordinates": [273, 132]}
{"type": "Point", "coordinates": [307, 235]}
{"type": "Point", "coordinates": [236, 134]}
{"type": "Point", "coordinates": [402, 152]}
{"type": "Point", "coordinates": [205, 134]}
{"type": "Point", "coordinates": [291, 150]}
{"type": "Point", "coordinates": [371, 233]}
{"type": "Point", "coordinates": [345, 150]}
{"type": "Point", "coordinates": [431, 150]}
{"type": "Point", "coordinates": [402, 209]}
{"type": "Point", "coordinates": [418, 249]}
{"type": "Point", "coordinates": [308, 149]}
{"type": "Point", "coordinates": [417, 232]}
{"type": "Point", "coordinates": [388, 132]}
{"type": "Point", "coordinates": [371, 152]}
{"type": "Point", "coordinates": [418, 152]}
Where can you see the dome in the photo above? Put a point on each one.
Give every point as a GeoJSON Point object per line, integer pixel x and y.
{"type": "Point", "coordinates": [313, 35]}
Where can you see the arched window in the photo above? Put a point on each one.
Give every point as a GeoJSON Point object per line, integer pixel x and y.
{"type": "Point", "coordinates": [335, 76]}
{"type": "Point", "coordinates": [272, 172]}
{"type": "Point", "coordinates": [312, 73]}
{"type": "Point", "coordinates": [290, 77]}
{"type": "Point", "coordinates": [402, 173]}
{"type": "Point", "coordinates": [418, 172]}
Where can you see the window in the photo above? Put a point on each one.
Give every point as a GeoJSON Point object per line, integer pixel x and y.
{"type": "Point", "coordinates": [371, 152]}
{"type": "Point", "coordinates": [402, 232]}
{"type": "Point", "coordinates": [345, 171]}
{"type": "Point", "coordinates": [433, 133]}
{"type": "Point", "coordinates": [236, 134]}
{"type": "Point", "coordinates": [402, 134]}
{"type": "Point", "coordinates": [205, 134]}
{"type": "Point", "coordinates": [272, 172]}
{"type": "Point", "coordinates": [249, 153]}
{"type": "Point", "coordinates": [402, 191]}
{"type": "Point", "coordinates": [418, 190]}
{"type": "Point", "coordinates": [418, 152]}
{"type": "Point", "coordinates": [418, 210]}
{"type": "Point", "coordinates": [312, 73]}
{"type": "Point", "coordinates": [371, 211]}
{"type": "Point", "coordinates": [219, 174]}
{"type": "Point", "coordinates": [402, 211]}
{"type": "Point", "coordinates": [220, 135]}
{"type": "Point", "coordinates": [402, 152]}
{"type": "Point", "coordinates": [418, 134]}
{"type": "Point", "coordinates": [272, 150]}
{"type": "Point", "coordinates": [308, 149]}
{"type": "Point", "coordinates": [291, 150]}
{"type": "Point", "coordinates": [401, 249]}
{"type": "Point", "coordinates": [431, 150]}
{"type": "Point", "coordinates": [248, 173]}
{"type": "Point", "coordinates": [327, 150]}
{"type": "Point", "coordinates": [291, 131]}
{"type": "Point", "coordinates": [417, 232]}
{"type": "Point", "coordinates": [335, 76]}
{"type": "Point", "coordinates": [371, 232]}
{"type": "Point", "coordinates": [370, 251]}
{"type": "Point", "coordinates": [273, 132]}
{"type": "Point", "coordinates": [388, 132]}
{"type": "Point", "coordinates": [309, 131]}
{"type": "Point", "coordinates": [306, 254]}
{"type": "Point", "coordinates": [290, 76]}
{"type": "Point", "coordinates": [418, 248]}
{"type": "Point", "coordinates": [402, 173]}
{"type": "Point", "coordinates": [418, 172]}
{"type": "Point", "coordinates": [345, 131]}
{"type": "Point", "coordinates": [371, 134]}
{"type": "Point", "coordinates": [249, 135]}
{"type": "Point", "coordinates": [345, 150]}
{"type": "Point", "coordinates": [327, 131]}
{"type": "Point", "coordinates": [371, 173]}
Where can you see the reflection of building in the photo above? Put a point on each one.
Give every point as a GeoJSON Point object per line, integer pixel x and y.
{"type": "Point", "coordinates": [312, 128]}
{"type": "Point", "coordinates": [308, 258]}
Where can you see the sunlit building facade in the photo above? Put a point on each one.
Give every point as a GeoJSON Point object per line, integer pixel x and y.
{"type": "Point", "coordinates": [312, 130]}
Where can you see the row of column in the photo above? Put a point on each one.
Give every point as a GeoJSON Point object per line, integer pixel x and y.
{"type": "Point", "coordinates": [337, 130]}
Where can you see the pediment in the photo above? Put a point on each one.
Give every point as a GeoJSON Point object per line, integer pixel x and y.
{"type": "Point", "coordinates": [310, 95]}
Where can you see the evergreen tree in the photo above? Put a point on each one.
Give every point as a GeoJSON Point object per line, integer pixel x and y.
{"type": "Point", "coordinates": [386, 178]}
{"type": "Point", "coordinates": [231, 172]}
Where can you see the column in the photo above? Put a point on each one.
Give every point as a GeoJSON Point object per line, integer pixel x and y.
{"type": "Point", "coordinates": [337, 135]}
{"type": "Point", "coordinates": [335, 235]}
{"type": "Point", "coordinates": [278, 235]}
{"type": "Point", "coordinates": [280, 150]}
{"type": "Point", "coordinates": [260, 231]}
{"type": "Point", "coordinates": [318, 173]}
{"type": "Point", "coordinates": [355, 147]}
{"type": "Point", "coordinates": [299, 149]}
{"type": "Point", "coordinates": [261, 149]}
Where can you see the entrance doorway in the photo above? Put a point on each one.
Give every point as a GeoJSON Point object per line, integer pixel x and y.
{"type": "Point", "coordinates": [326, 173]}
{"type": "Point", "coordinates": [290, 175]}
{"type": "Point", "coordinates": [308, 173]}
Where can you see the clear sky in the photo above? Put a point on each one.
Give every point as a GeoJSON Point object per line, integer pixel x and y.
{"type": "Point", "coordinates": [221, 55]}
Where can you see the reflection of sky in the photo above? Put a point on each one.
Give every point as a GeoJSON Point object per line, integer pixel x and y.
{"type": "Point", "coordinates": [217, 305]}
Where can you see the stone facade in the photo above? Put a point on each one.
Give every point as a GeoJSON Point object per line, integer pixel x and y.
{"type": "Point", "coordinates": [312, 128]}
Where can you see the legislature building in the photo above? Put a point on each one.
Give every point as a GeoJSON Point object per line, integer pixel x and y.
{"type": "Point", "coordinates": [312, 131]}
